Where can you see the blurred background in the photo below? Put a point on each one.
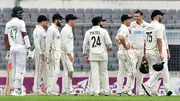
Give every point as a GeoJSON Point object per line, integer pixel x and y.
{"type": "Point", "coordinates": [86, 10]}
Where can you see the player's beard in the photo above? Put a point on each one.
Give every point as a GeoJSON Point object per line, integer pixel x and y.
{"type": "Point", "coordinates": [46, 27]}
{"type": "Point", "coordinates": [20, 16]}
{"type": "Point", "coordinates": [160, 20]}
{"type": "Point", "coordinates": [58, 24]}
{"type": "Point", "coordinates": [101, 26]}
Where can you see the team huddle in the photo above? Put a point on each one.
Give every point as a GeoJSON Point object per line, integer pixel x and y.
{"type": "Point", "coordinates": [141, 48]}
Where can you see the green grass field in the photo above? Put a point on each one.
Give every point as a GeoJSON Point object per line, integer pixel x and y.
{"type": "Point", "coordinates": [89, 98]}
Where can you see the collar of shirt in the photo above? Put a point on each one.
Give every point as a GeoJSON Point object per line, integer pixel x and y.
{"type": "Point", "coordinates": [15, 18]}
{"type": "Point", "coordinates": [124, 26]}
{"type": "Point", "coordinates": [96, 27]}
{"type": "Point", "coordinates": [154, 21]}
{"type": "Point", "coordinates": [68, 26]}
{"type": "Point", "coordinates": [38, 26]}
{"type": "Point", "coordinates": [142, 24]}
{"type": "Point", "coordinates": [54, 25]}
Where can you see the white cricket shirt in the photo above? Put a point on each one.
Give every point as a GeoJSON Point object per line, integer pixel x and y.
{"type": "Point", "coordinates": [14, 29]}
{"type": "Point", "coordinates": [97, 40]}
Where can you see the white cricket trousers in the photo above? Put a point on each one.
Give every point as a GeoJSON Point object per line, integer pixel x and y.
{"type": "Point", "coordinates": [89, 89]}
{"type": "Point", "coordinates": [18, 55]}
{"type": "Point", "coordinates": [67, 73]}
{"type": "Point", "coordinates": [153, 58]}
{"type": "Point", "coordinates": [136, 58]}
{"type": "Point", "coordinates": [41, 72]}
{"type": "Point", "coordinates": [54, 69]}
{"type": "Point", "coordinates": [99, 76]}
{"type": "Point", "coordinates": [125, 68]}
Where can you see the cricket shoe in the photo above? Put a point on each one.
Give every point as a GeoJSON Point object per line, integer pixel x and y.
{"type": "Point", "coordinates": [64, 93]}
{"type": "Point", "coordinates": [130, 93]}
{"type": "Point", "coordinates": [146, 89]}
{"type": "Point", "coordinates": [13, 93]}
{"type": "Point", "coordinates": [39, 92]}
{"type": "Point", "coordinates": [126, 92]}
{"type": "Point", "coordinates": [140, 94]}
{"type": "Point", "coordinates": [118, 94]}
{"type": "Point", "coordinates": [16, 93]}
{"type": "Point", "coordinates": [52, 93]}
{"type": "Point", "coordinates": [122, 94]}
{"type": "Point", "coordinates": [104, 94]}
{"type": "Point", "coordinates": [72, 94]}
{"type": "Point", "coordinates": [23, 93]}
{"type": "Point", "coordinates": [95, 94]}
{"type": "Point", "coordinates": [69, 94]}
{"type": "Point", "coordinates": [89, 93]}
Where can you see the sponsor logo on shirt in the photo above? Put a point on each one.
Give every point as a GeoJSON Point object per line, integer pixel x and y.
{"type": "Point", "coordinates": [138, 32]}
{"type": "Point", "coordinates": [36, 35]}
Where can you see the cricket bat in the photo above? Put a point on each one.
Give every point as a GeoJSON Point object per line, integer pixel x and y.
{"type": "Point", "coordinates": [8, 79]}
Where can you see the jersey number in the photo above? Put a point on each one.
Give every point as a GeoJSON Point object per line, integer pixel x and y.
{"type": "Point", "coordinates": [149, 37]}
{"type": "Point", "coordinates": [13, 33]}
{"type": "Point", "coordinates": [96, 41]}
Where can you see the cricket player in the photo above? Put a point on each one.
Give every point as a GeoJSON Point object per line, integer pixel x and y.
{"type": "Point", "coordinates": [89, 86]}
{"type": "Point", "coordinates": [18, 46]}
{"type": "Point", "coordinates": [67, 54]}
{"type": "Point", "coordinates": [53, 51]}
{"type": "Point", "coordinates": [98, 42]}
{"type": "Point", "coordinates": [124, 59]}
{"type": "Point", "coordinates": [154, 49]}
{"type": "Point", "coordinates": [41, 69]}
{"type": "Point", "coordinates": [137, 41]}
{"type": "Point", "coordinates": [165, 71]}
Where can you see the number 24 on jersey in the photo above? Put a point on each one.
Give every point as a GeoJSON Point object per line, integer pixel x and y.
{"type": "Point", "coordinates": [95, 41]}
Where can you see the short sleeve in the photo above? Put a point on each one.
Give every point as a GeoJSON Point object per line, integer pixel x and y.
{"type": "Point", "coordinates": [6, 30]}
{"type": "Point", "coordinates": [23, 27]}
{"type": "Point", "coordinates": [159, 32]}
{"type": "Point", "coordinates": [122, 32]}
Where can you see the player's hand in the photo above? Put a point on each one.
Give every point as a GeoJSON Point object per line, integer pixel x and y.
{"type": "Point", "coordinates": [8, 56]}
{"type": "Point", "coordinates": [168, 55]}
{"type": "Point", "coordinates": [43, 57]}
{"type": "Point", "coordinates": [128, 46]}
{"type": "Point", "coordinates": [46, 57]}
{"type": "Point", "coordinates": [144, 58]}
{"type": "Point", "coordinates": [70, 57]}
{"type": "Point", "coordinates": [109, 49]}
{"type": "Point", "coordinates": [86, 58]}
{"type": "Point", "coordinates": [161, 57]}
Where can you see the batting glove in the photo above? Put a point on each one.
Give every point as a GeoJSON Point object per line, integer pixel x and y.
{"type": "Point", "coordinates": [8, 56]}
{"type": "Point", "coordinates": [29, 54]}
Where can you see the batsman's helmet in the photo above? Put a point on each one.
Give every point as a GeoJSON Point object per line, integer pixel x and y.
{"type": "Point", "coordinates": [17, 12]}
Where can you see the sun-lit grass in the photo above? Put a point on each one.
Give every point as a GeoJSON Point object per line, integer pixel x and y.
{"type": "Point", "coordinates": [88, 98]}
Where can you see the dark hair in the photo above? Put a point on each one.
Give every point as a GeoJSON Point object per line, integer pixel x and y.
{"type": "Point", "coordinates": [56, 16]}
{"type": "Point", "coordinates": [140, 12]}
{"type": "Point", "coordinates": [95, 23]}
{"type": "Point", "coordinates": [14, 15]}
{"type": "Point", "coordinates": [67, 20]}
